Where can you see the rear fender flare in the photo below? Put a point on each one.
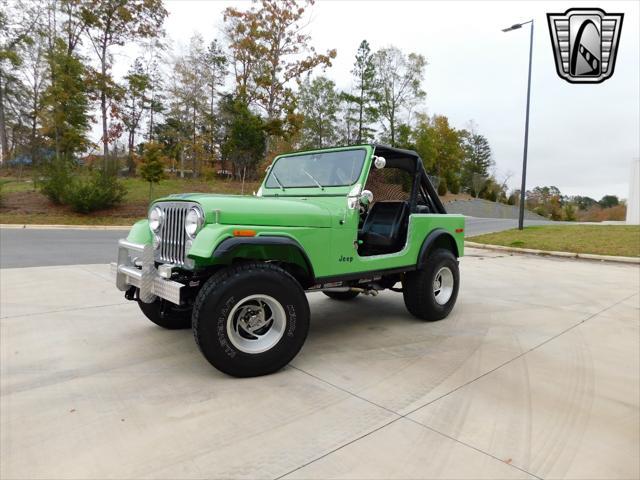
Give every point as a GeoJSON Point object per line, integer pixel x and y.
{"type": "Point", "coordinates": [438, 238]}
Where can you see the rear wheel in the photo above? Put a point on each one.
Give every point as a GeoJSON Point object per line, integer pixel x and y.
{"type": "Point", "coordinates": [350, 295]}
{"type": "Point", "coordinates": [251, 319]}
{"type": "Point", "coordinates": [166, 315]}
{"type": "Point", "coordinates": [431, 292]}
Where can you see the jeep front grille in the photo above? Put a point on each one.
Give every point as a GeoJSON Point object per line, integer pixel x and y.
{"type": "Point", "coordinates": [172, 234]}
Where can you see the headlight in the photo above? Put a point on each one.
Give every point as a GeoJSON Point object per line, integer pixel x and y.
{"type": "Point", "coordinates": [156, 217]}
{"type": "Point", "coordinates": [193, 222]}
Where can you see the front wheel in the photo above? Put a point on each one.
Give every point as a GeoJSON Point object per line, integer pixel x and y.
{"type": "Point", "coordinates": [166, 315]}
{"type": "Point", "coordinates": [251, 319]}
{"type": "Point", "coordinates": [431, 292]}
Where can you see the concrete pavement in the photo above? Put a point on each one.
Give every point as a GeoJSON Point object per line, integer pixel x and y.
{"type": "Point", "coordinates": [535, 374]}
{"type": "Point", "coordinates": [47, 247]}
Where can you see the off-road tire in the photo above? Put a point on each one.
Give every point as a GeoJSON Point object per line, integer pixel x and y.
{"type": "Point", "coordinates": [226, 289]}
{"type": "Point", "coordinates": [417, 286]}
{"type": "Point", "coordinates": [171, 318]}
{"type": "Point", "coordinates": [342, 295]}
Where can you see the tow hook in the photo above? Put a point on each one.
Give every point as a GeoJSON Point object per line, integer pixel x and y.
{"type": "Point", "coordinates": [130, 294]}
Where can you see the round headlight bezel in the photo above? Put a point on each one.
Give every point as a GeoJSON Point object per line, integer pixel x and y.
{"type": "Point", "coordinates": [156, 219]}
{"type": "Point", "coordinates": [193, 225]}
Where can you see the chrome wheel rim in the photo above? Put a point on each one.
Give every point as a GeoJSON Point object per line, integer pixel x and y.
{"type": "Point", "coordinates": [256, 323]}
{"type": "Point", "coordinates": [443, 285]}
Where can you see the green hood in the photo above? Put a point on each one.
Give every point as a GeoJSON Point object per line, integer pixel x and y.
{"type": "Point", "coordinates": [250, 210]}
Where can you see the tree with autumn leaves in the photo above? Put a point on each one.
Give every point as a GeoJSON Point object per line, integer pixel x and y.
{"type": "Point", "coordinates": [221, 107]}
{"type": "Point", "coordinates": [270, 53]}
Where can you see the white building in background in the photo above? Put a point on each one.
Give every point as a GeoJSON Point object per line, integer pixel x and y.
{"type": "Point", "coordinates": [633, 200]}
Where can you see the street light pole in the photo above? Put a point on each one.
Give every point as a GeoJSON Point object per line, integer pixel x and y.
{"type": "Point", "coordinates": [526, 126]}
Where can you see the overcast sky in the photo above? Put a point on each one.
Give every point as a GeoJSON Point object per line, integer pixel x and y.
{"type": "Point", "coordinates": [582, 137]}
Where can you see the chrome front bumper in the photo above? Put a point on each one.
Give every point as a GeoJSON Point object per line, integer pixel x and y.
{"type": "Point", "coordinates": [127, 271]}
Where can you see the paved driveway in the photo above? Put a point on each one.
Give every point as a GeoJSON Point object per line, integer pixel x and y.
{"type": "Point", "coordinates": [534, 374]}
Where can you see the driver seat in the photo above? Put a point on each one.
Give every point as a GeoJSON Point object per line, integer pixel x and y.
{"type": "Point", "coordinates": [383, 230]}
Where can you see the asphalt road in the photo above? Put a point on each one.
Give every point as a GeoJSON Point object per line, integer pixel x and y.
{"type": "Point", "coordinates": [30, 247]}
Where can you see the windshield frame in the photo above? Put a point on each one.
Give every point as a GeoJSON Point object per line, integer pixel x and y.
{"type": "Point", "coordinates": [326, 189]}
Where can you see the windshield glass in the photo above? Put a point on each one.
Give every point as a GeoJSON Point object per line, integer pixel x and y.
{"type": "Point", "coordinates": [326, 169]}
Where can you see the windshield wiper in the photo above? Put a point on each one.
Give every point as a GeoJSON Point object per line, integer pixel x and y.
{"type": "Point", "coordinates": [275, 177]}
{"type": "Point", "coordinates": [313, 178]}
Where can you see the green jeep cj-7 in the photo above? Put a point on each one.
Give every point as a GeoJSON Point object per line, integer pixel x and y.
{"type": "Point", "coordinates": [342, 221]}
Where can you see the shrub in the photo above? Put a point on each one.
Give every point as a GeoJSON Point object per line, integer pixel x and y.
{"type": "Point", "coordinates": [569, 213]}
{"type": "Point", "coordinates": [555, 209]}
{"type": "Point", "coordinates": [56, 178]}
{"type": "Point", "coordinates": [540, 210]}
{"type": "Point", "coordinates": [489, 191]}
{"type": "Point", "coordinates": [454, 186]}
{"type": "Point", "coordinates": [442, 187]}
{"type": "Point", "coordinates": [96, 192]}
{"type": "Point", "coordinates": [598, 214]}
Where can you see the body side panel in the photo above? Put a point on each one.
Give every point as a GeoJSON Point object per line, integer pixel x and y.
{"type": "Point", "coordinates": [420, 225]}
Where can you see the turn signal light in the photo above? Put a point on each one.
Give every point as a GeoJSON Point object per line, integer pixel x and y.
{"type": "Point", "coordinates": [459, 230]}
{"type": "Point", "coordinates": [244, 233]}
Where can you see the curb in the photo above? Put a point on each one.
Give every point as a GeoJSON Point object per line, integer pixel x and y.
{"type": "Point", "coordinates": [16, 226]}
{"type": "Point", "coordinates": [550, 253]}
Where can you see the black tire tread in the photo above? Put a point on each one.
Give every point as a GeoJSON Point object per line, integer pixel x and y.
{"type": "Point", "coordinates": [416, 284]}
{"type": "Point", "coordinates": [172, 320]}
{"type": "Point", "coordinates": [217, 282]}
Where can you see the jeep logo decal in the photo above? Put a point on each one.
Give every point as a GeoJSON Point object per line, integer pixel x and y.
{"type": "Point", "coordinates": [345, 259]}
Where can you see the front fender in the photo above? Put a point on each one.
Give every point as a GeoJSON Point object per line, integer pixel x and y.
{"type": "Point", "coordinates": [216, 244]}
{"type": "Point", "coordinates": [208, 239]}
{"type": "Point", "coordinates": [140, 233]}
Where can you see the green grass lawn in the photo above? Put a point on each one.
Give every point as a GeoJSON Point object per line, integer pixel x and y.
{"type": "Point", "coordinates": [623, 240]}
{"type": "Point", "coordinates": [12, 185]}
{"type": "Point", "coordinates": [21, 203]}
{"type": "Point", "coordinates": [138, 189]}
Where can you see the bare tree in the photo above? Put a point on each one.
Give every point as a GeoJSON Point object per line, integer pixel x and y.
{"type": "Point", "coordinates": [18, 22]}
{"type": "Point", "coordinates": [400, 84]}
{"type": "Point", "coordinates": [112, 23]}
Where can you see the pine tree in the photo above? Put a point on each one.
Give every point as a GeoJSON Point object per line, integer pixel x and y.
{"type": "Point", "coordinates": [244, 136]}
{"type": "Point", "coordinates": [152, 165]}
{"type": "Point", "coordinates": [477, 159]}
{"type": "Point", "coordinates": [135, 101]}
{"type": "Point", "coordinates": [319, 103]}
{"type": "Point", "coordinates": [362, 102]}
